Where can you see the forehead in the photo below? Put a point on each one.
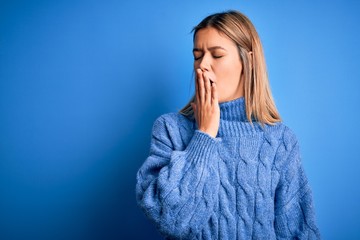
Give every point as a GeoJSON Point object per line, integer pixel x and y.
{"type": "Point", "coordinates": [207, 37]}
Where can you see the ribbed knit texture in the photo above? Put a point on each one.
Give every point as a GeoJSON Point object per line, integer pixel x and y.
{"type": "Point", "coordinates": [247, 183]}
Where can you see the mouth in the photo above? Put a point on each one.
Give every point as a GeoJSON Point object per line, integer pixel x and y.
{"type": "Point", "coordinates": [211, 82]}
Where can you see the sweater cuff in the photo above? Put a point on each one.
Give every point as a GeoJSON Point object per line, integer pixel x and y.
{"type": "Point", "coordinates": [201, 146]}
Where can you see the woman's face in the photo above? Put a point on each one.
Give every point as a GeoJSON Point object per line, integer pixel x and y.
{"type": "Point", "coordinates": [218, 55]}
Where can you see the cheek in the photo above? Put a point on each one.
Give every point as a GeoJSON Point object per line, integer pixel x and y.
{"type": "Point", "coordinates": [228, 72]}
{"type": "Point", "coordinates": [228, 77]}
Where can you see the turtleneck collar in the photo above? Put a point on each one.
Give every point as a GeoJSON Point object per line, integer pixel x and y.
{"type": "Point", "coordinates": [233, 110]}
{"type": "Point", "coordinates": [233, 120]}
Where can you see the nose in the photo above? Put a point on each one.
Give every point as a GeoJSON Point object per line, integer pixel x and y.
{"type": "Point", "coordinates": [205, 63]}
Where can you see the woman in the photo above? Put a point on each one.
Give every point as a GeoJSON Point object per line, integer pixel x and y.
{"type": "Point", "coordinates": [225, 166]}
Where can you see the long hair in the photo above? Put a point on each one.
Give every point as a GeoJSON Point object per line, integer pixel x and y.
{"type": "Point", "coordinates": [259, 102]}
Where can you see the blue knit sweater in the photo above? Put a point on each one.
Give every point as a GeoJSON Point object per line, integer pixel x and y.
{"type": "Point", "coordinates": [247, 183]}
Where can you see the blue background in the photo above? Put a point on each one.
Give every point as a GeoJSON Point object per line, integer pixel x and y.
{"type": "Point", "coordinates": [81, 83]}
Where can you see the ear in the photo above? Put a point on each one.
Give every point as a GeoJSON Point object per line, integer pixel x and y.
{"type": "Point", "coordinates": [251, 56]}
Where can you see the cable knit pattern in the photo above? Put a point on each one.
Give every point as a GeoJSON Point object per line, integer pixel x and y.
{"type": "Point", "coordinates": [247, 183]}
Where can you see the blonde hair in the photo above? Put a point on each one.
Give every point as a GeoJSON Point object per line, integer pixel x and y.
{"type": "Point", "coordinates": [258, 99]}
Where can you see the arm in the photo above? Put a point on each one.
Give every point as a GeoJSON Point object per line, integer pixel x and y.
{"type": "Point", "coordinates": [178, 189]}
{"type": "Point", "coordinates": [294, 209]}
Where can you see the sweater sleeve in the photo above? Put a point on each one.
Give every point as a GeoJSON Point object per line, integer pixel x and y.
{"type": "Point", "coordinates": [294, 208]}
{"type": "Point", "coordinates": [177, 189]}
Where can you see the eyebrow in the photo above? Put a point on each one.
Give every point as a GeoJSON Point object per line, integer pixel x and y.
{"type": "Point", "coordinates": [210, 48]}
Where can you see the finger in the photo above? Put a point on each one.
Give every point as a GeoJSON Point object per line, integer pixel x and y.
{"type": "Point", "coordinates": [196, 85]}
{"type": "Point", "coordinates": [207, 88]}
{"type": "Point", "coordinates": [197, 90]}
{"type": "Point", "coordinates": [201, 89]}
{"type": "Point", "coordinates": [214, 94]}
